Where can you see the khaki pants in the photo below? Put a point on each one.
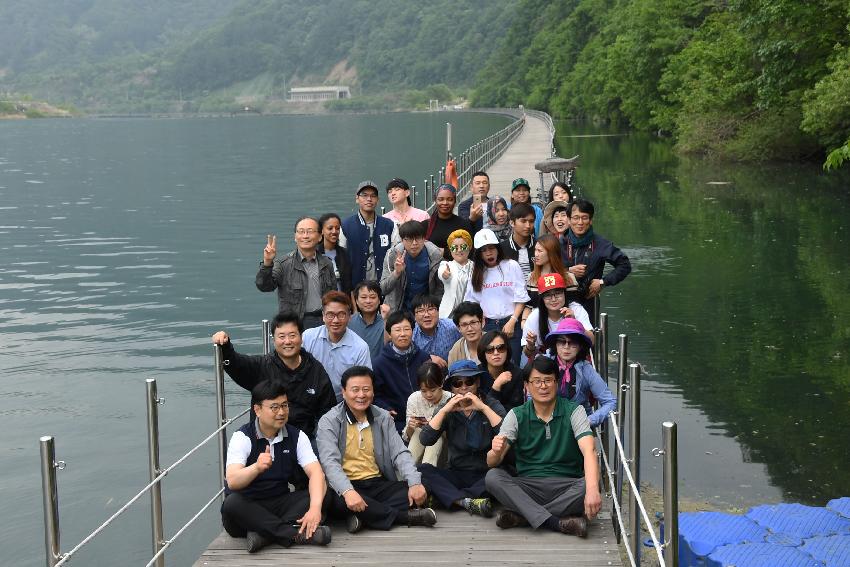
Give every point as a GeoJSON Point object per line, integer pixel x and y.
{"type": "Point", "coordinates": [432, 455]}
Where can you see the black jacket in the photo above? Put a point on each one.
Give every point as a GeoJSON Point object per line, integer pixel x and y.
{"type": "Point", "coordinates": [463, 210]}
{"type": "Point", "coordinates": [310, 392]}
{"type": "Point", "coordinates": [595, 255]}
{"type": "Point", "coordinates": [343, 266]}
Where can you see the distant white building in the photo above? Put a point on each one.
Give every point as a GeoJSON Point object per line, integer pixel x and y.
{"type": "Point", "coordinates": [316, 94]}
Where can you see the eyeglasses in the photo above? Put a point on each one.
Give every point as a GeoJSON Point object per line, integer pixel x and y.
{"type": "Point", "coordinates": [580, 218]}
{"type": "Point", "coordinates": [459, 247]}
{"type": "Point", "coordinates": [414, 238]}
{"type": "Point", "coordinates": [461, 382]}
{"type": "Point", "coordinates": [470, 324]}
{"type": "Point", "coordinates": [423, 310]}
{"type": "Point", "coordinates": [496, 348]}
{"type": "Point", "coordinates": [305, 231]}
{"type": "Point", "coordinates": [370, 196]}
{"type": "Point", "coordinates": [278, 407]}
{"type": "Point", "coordinates": [537, 382]}
{"type": "Point", "coordinates": [550, 295]}
{"type": "Point", "coordinates": [339, 315]}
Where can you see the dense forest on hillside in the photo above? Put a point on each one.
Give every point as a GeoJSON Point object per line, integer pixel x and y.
{"type": "Point", "coordinates": [244, 47]}
{"type": "Point", "coordinates": [739, 79]}
{"type": "Point", "coordinates": [742, 79]}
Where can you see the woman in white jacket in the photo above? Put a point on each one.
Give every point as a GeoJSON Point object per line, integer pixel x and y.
{"type": "Point", "coordinates": [455, 273]}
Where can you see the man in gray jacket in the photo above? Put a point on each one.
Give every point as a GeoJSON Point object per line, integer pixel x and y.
{"type": "Point", "coordinates": [410, 269]}
{"type": "Point", "coordinates": [302, 277]}
{"type": "Point", "coordinates": [363, 458]}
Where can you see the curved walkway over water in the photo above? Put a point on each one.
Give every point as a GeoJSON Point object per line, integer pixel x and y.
{"type": "Point", "coordinates": [458, 538]}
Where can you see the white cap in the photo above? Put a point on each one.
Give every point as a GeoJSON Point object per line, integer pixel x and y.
{"type": "Point", "coordinates": [484, 237]}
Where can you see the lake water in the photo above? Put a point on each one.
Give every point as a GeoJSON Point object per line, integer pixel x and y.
{"type": "Point", "coordinates": [125, 243]}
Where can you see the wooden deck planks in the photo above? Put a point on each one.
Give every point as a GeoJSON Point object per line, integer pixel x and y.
{"type": "Point", "coordinates": [533, 145]}
{"type": "Point", "coordinates": [457, 539]}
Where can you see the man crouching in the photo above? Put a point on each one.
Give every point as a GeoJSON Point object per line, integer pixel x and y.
{"type": "Point", "coordinates": [557, 485]}
{"type": "Point", "coordinates": [363, 456]}
{"type": "Point", "coordinates": [262, 458]}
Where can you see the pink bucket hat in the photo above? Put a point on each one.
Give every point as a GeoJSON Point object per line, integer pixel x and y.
{"type": "Point", "coordinates": [568, 326]}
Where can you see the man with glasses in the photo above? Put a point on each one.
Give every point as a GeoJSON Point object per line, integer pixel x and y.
{"type": "Point", "coordinates": [433, 335]}
{"type": "Point", "coordinates": [262, 459]}
{"type": "Point", "coordinates": [335, 345]}
{"type": "Point", "coordinates": [469, 319]}
{"type": "Point", "coordinates": [367, 236]}
{"type": "Point", "coordinates": [310, 392]}
{"type": "Point", "coordinates": [370, 471]}
{"type": "Point", "coordinates": [586, 253]}
{"type": "Point", "coordinates": [410, 268]}
{"type": "Point", "coordinates": [557, 482]}
{"type": "Point", "coordinates": [302, 277]}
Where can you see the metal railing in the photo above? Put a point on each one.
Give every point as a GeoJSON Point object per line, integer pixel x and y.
{"type": "Point", "coordinates": [625, 468]}
{"type": "Point", "coordinates": [50, 490]}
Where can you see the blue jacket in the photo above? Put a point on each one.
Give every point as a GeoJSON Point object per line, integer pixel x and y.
{"type": "Point", "coordinates": [357, 236]}
{"type": "Point", "coordinates": [395, 379]}
{"type": "Point", "coordinates": [595, 255]}
{"type": "Point", "coordinates": [590, 387]}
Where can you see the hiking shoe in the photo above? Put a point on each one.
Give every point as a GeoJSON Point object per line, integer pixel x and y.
{"type": "Point", "coordinates": [321, 536]}
{"type": "Point", "coordinates": [480, 506]}
{"type": "Point", "coordinates": [353, 524]}
{"type": "Point", "coordinates": [573, 525]}
{"type": "Point", "coordinates": [421, 517]}
{"type": "Point", "coordinates": [256, 542]}
{"type": "Point", "coordinates": [507, 519]}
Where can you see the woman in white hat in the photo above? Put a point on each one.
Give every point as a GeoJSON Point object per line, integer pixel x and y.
{"type": "Point", "coordinates": [498, 285]}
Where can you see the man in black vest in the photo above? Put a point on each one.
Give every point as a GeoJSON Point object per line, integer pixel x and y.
{"type": "Point", "coordinates": [262, 458]}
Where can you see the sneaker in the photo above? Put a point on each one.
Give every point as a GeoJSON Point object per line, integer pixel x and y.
{"type": "Point", "coordinates": [321, 536]}
{"type": "Point", "coordinates": [256, 542]}
{"type": "Point", "coordinates": [480, 506]}
{"type": "Point", "coordinates": [421, 517]}
{"type": "Point", "coordinates": [353, 524]}
{"type": "Point", "coordinates": [507, 519]}
{"type": "Point", "coordinates": [573, 525]}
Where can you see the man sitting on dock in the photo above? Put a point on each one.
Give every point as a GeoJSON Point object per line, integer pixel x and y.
{"type": "Point", "coordinates": [363, 457]}
{"type": "Point", "coordinates": [586, 253]}
{"type": "Point", "coordinates": [302, 276]}
{"type": "Point", "coordinates": [557, 485]}
{"type": "Point", "coordinates": [309, 388]}
{"type": "Point", "coordinates": [262, 458]}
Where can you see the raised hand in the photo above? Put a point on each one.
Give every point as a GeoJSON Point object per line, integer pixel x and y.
{"type": "Point", "coordinates": [447, 272]}
{"type": "Point", "coordinates": [499, 443]}
{"type": "Point", "coordinates": [399, 263]}
{"type": "Point", "coordinates": [502, 379]}
{"type": "Point", "coordinates": [270, 251]}
{"type": "Point", "coordinates": [264, 461]}
{"type": "Point", "coordinates": [566, 312]}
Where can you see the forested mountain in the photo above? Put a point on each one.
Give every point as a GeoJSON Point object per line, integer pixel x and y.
{"type": "Point", "coordinates": [113, 53]}
{"type": "Point", "coordinates": [745, 79]}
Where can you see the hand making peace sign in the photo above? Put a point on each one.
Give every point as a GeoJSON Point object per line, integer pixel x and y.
{"type": "Point", "coordinates": [270, 250]}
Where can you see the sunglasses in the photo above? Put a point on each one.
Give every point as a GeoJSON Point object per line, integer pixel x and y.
{"type": "Point", "coordinates": [465, 381]}
{"type": "Point", "coordinates": [496, 348]}
{"type": "Point", "coordinates": [459, 247]}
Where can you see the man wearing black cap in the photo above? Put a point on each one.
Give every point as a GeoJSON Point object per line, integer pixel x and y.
{"type": "Point", "coordinates": [366, 236]}
{"type": "Point", "coordinates": [521, 193]}
{"type": "Point", "coordinates": [398, 192]}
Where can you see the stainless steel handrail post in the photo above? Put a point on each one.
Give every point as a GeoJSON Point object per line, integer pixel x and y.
{"type": "Point", "coordinates": [671, 493]}
{"type": "Point", "coordinates": [266, 334]}
{"type": "Point", "coordinates": [221, 411]}
{"type": "Point", "coordinates": [597, 307]}
{"type": "Point", "coordinates": [634, 464]}
{"type": "Point", "coordinates": [622, 386]}
{"type": "Point", "coordinates": [50, 499]}
{"type": "Point", "coordinates": [153, 466]}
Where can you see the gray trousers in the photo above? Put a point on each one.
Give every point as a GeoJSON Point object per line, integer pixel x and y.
{"type": "Point", "coordinates": [536, 499]}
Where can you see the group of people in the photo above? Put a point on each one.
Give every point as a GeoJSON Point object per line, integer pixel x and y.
{"type": "Point", "coordinates": [425, 361]}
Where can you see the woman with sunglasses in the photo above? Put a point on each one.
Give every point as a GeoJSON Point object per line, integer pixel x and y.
{"type": "Point", "coordinates": [503, 378]}
{"type": "Point", "coordinates": [470, 423]}
{"type": "Point", "coordinates": [557, 304]}
{"type": "Point", "coordinates": [455, 273]}
{"type": "Point", "coordinates": [577, 380]}
{"type": "Point", "coordinates": [443, 222]}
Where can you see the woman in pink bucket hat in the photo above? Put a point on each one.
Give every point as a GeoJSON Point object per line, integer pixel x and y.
{"type": "Point", "coordinates": [578, 381]}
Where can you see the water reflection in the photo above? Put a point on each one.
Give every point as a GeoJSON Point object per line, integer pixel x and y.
{"type": "Point", "coordinates": [745, 311]}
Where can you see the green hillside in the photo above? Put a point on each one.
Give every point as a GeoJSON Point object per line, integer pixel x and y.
{"type": "Point", "coordinates": [743, 79]}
